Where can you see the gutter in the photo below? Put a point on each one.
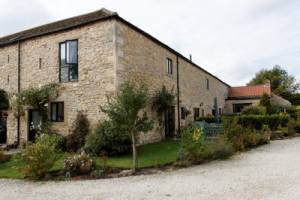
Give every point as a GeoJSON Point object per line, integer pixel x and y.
{"type": "Point", "coordinates": [19, 91]}
{"type": "Point", "coordinates": [178, 97]}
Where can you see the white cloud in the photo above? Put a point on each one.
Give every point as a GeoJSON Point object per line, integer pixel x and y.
{"type": "Point", "coordinates": [232, 39]}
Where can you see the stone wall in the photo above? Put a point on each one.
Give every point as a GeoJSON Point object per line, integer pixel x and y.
{"type": "Point", "coordinates": [9, 83]}
{"type": "Point", "coordinates": [142, 56]}
{"type": "Point", "coordinates": [96, 73]}
{"type": "Point", "coordinates": [109, 53]}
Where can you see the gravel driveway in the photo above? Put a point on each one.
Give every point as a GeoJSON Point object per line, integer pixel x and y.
{"type": "Point", "coordinates": [270, 172]}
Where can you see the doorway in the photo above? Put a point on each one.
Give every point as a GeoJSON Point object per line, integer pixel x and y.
{"type": "Point", "coordinates": [3, 127]}
{"type": "Point", "coordinates": [34, 124]}
{"type": "Point", "coordinates": [170, 122]}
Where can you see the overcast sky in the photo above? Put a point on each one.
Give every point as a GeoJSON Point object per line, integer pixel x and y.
{"type": "Point", "coordinates": [233, 39]}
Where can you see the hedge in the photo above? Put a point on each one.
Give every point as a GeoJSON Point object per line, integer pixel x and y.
{"type": "Point", "coordinates": [257, 121]}
{"type": "Point", "coordinates": [208, 119]}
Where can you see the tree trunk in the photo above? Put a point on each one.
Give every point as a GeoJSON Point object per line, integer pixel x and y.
{"type": "Point", "coordinates": [134, 154]}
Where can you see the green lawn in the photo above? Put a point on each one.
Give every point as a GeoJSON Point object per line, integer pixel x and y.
{"type": "Point", "coordinates": [150, 155]}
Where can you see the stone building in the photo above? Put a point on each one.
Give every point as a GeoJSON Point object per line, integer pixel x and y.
{"type": "Point", "coordinates": [90, 56]}
{"type": "Point", "coordinates": [241, 97]}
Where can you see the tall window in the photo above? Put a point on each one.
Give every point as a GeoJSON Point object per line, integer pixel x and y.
{"type": "Point", "coordinates": [196, 113]}
{"type": "Point", "coordinates": [68, 52]}
{"type": "Point", "coordinates": [57, 112]}
{"type": "Point", "coordinates": [169, 66]}
{"type": "Point", "coordinates": [183, 113]}
{"type": "Point", "coordinates": [207, 84]}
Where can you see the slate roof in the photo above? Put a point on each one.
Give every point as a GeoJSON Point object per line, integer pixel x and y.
{"type": "Point", "coordinates": [57, 26]}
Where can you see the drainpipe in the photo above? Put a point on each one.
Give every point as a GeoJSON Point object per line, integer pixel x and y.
{"type": "Point", "coordinates": [178, 100]}
{"type": "Point", "coordinates": [19, 90]}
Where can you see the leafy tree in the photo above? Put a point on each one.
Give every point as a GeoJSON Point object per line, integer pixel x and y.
{"type": "Point", "coordinates": [4, 102]}
{"type": "Point", "coordinates": [265, 100]}
{"type": "Point", "coordinates": [281, 82]}
{"type": "Point", "coordinates": [125, 110]}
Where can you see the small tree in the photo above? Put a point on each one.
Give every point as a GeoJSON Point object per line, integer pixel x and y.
{"type": "Point", "coordinates": [80, 129]}
{"type": "Point", "coordinates": [265, 100]}
{"type": "Point", "coordinates": [124, 110]}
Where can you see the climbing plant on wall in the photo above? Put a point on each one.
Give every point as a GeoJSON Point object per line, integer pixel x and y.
{"type": "Point", "coordinates": [36, 98]}
{"type": "Point", "coordinates": [162, 100]}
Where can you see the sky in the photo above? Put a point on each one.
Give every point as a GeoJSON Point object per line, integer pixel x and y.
{"type": "Point", "coordinates": [232, 39]}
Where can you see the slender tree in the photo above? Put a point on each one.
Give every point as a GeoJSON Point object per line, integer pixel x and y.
{"type": "Point", "coordinates": [127, 110]}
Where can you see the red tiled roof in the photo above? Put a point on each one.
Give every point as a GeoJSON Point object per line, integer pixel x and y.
{"type": "Point", "coordinates": [249, 91]}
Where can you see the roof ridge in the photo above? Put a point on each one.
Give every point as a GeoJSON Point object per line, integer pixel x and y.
{"type": "Point", "coordinates": [21, 35]}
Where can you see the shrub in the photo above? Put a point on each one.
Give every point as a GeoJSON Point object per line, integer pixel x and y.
{"type": "Point", "coordinates": [80, 129]}
{"type": "Point", "coordinates": [78, 164]}
{"type": "Point", "coordinates": [40, 157]}
{"type": "Point", "coordinates": [192, 143]}
{"type": "Point", "coordinates": [257, 121]}
{"type": "Point", "coordinates": [251, 139]}
{"type": "Point", "coordinates": [293, 128]}
{"type": "Point", "coordinates": [221, 148]}
{"type": "Point", "coordinates": [197, 150]}
{"type": "Point", "coordinates": [108, 139]}
{"type": "Point", "coordinates": [207, 119]}
{"type": "Point", "coordinates": [292, 111]}
{"type": "Point", "coordinates": [3, 157]}
{"type": "Point", "coordinates": [254, 110]}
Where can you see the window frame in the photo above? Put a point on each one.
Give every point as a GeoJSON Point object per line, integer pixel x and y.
{"type": "Point", "coordinates": [57, 111]}
{"type": "Point", "coordinates": [196, 111]}
{"type": "Point", "coordinates": [169, 67]}
{"type": "Point", "coordinates": [182, 113]}
{"type": "Point", "coordinates": [68, 65]}
{"type": "Point", "coordinates": [207, 84]}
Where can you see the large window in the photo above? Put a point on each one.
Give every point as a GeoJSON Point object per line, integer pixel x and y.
{"type": "Point", "coordinates": [169, 66]}
{"type": "Point", "coordinates": [68, 54]}
{"type": "Point", "coordinates": [237, 108]}
{"type": "Point", "coordinates": [57, 112]}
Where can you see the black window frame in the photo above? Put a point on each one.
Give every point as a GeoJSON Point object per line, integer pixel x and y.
{"type": "Point", "coordinates": [183, 113]}
{"type": "Point", "coordinates": [169, 66]}
{"type": "Point", "coordinates": [196, 113]}
{"type": "Point", "coordinates": [57, 117]}
{"type": "Point", "coordinates": [70, 66]}
{"type": "Point", "coordinates": [207, 84]}
{"type": "Point", "coordinates": [238, 107]}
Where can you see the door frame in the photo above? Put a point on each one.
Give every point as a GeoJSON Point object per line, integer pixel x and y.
{"type": "Point", "coordinates": [4, 115]}
{"type": "Point", "coordinates": [170, 126]}
{"type": "Point", "coordinates": [28, 125]}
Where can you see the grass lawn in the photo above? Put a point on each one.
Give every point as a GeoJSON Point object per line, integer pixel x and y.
{"type": "Point", "coordinates": [150, 155]}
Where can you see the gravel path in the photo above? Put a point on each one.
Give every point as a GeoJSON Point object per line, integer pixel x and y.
{"type": "Point", "coordinates": [270, 172]}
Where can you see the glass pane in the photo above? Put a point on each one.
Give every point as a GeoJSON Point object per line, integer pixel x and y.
{"type": "Point", "coordinates": [53, 111]}
{"type": "Point", "coordinates": [73, 72]}
{"type": "Point", "coordinates": [64, 74]}
{"type": "Point", "coordinates": [63, 53]}
{"type": "Point", "coordinates": [72, 52]}
{"type": "Point", "coordinates": [60, 112]}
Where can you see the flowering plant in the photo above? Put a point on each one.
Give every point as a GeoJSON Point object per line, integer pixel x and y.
{"type": "Point", "coordinates": [78, 164]}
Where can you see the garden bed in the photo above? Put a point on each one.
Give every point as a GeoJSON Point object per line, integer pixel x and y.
{"type": "Point", "coordinates": [150, 156]}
